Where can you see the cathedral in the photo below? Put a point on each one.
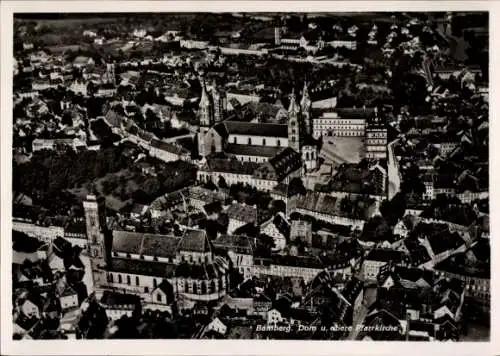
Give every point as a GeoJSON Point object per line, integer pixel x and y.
{"type": "Point", "coordinates": [254, 141]}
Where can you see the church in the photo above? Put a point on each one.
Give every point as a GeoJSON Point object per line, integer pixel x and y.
{"type": "Point", "coordinates": [140, 264]}
{"type": "Point", "coordinates": [254, 141]}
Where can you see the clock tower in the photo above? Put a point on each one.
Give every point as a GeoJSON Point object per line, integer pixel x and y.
{"type": "Point", "coordinates": [96, 242]}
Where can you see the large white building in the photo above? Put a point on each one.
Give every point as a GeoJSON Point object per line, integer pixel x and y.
{"type": "Point", "coordinates": [332, 124]}
{"type": "Point", "coordinates": [53, 144]}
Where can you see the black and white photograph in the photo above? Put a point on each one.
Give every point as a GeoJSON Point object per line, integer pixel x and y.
{"type": "Point", "coordinates": [242, 175]}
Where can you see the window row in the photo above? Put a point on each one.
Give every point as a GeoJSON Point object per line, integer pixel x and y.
{"type": "Point", "coordinates": [263, 142]}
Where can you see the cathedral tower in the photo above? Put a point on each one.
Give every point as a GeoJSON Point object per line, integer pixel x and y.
{"type": "Point", "coordinates": [277, 35]}
{"type": "Point", "coordinates": [109, 75]}
{"type": "Point", "coordinates": [376, 137]}
{"type": "Point", "coordinates": [96, 240]}
{"type": "Point", "coordinates": [305, 107]}
{"type": "Point", "coordinates": [205, 108]}
{"type": "Point", "coordinates": [220, 103]}
{"type": "Point", "coordinates": [293, 124]}
{"type": "Point", "coordinates": [205, 116]}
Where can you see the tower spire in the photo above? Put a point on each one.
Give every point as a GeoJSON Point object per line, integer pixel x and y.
{"type": "Point", "coordinates": [305, 109]}
{"type": "Point", "coordinates": [293, 124]}
{"type": "Point", "coordinates": [205, 109]}
{"type": "Point", "coordinates": [293, 104]}
{"type": "Point", "coordinates": [305, 103]}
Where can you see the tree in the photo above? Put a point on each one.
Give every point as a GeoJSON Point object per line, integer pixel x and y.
{"type": "Point", "coordinates": [296, 186]}
{"type": "Point", "coordinates": [222, 183]}
{"type": "Point", "coordinates": [67, 119]}
{"type": "Point", "coordinates": [279, 206]}
{"type": "Point", "coordinates": [210, 185]}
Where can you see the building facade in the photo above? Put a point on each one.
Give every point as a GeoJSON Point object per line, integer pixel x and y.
{"type": "Point", "coordinates": [376, 138]}
{"type": "Point", "coordinates": [138, 263]}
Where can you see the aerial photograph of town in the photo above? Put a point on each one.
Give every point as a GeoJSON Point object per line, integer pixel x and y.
{"type": "Point", "coordinates": [251, 175]}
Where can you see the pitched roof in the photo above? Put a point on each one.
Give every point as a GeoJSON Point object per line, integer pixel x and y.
{"type": "Point", "coordinates": [145, 244]}
{"type": "Point", "coordinates": [256, 129]}
{"type": "Point", "coordinates": [286, 162]}
{"type": "Point", "coordinates": [142, 267]}
{"type": "Point", "coordinates": [24, 322]}
{"type": "Point", "coordinates": [195, 241]}
{"type": "Point", "coordinates": [115, 299]}
{"type": "Point", "coordinates": [114, 118]}
{"type": "Point", "coordinates": [349, 206]}
{"type": "Point", "coordinates": [168, 147]}
{"type": "Point", "coordinates": [221, 129]}
{"type": "Point", "coordinates": [385, 255]}
{"type": "Point", "coordinates": [237, 243]}
{"type": "Point", "coordinates": [249, 150]}
{"type": "Point", "coordinates": [231, 166]}
{"type": "Point", "coordinates": [204, 271]}
{"type": "Point", "coordinates": [417, 252]}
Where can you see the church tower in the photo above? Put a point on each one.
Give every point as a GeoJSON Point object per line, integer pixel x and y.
{"type": "Point", "coordinates": [293, 124]}
{"type": "Point", "coordinates": [277, 35]}
{"type": "Point", "coordinates": [109, 76]}
{"type": "Point", "coordinates": [206, 118]}
{"type": "Point", "coordinates": [278, 29]}
{"type": "Point", "coordinates": [96, 240]}
{"type": "Point", "coordinates": [205, 108]}
{"type": "Point", "coordinates": [305, 107]}
{"type": "Point", "coordinates": [376, 137]}
{"type": "Point", "coordinates": [220, 103]}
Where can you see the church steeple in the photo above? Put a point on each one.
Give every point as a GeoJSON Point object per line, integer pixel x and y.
{"type": "Point", "coordinates": [293, 107]}
{"type": "Point", "coordinates": [219, 102]}
{"type": "Point", "coordinates": [205, 109]}
{"type": "Point", "coordinates": [305, 103]}
{"type": "Point", "coordinates": [293, 124]}
{"type": "Point", "coordinates": [305, 107]}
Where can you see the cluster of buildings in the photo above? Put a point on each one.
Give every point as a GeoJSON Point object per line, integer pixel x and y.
{"type": "Point", "coordinates": [282, 235]}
